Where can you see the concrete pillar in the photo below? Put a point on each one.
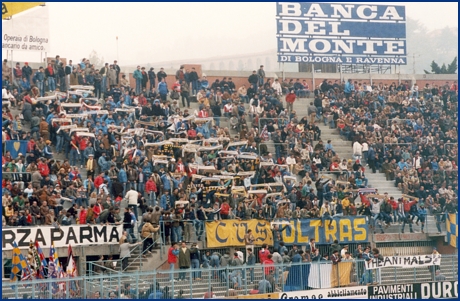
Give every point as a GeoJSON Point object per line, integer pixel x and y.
{"type": "Point", "coordinates": [81, 263]}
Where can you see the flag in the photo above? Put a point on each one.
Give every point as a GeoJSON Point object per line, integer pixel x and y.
{"type": "Point", "coordinates": [34, 258]}
{"type": "Point", "coordinates": [54, 269]}
{"type": "Point", "coordinates": [18, 264]}
{"type": "Point", "coordinates": [71, 267]}
{"type": "Point", "coordinates": [15, 147]}
{"type": "Point", "coordinates": [41, 255]}
{"type": "Point", "coordinates": [72, 272]}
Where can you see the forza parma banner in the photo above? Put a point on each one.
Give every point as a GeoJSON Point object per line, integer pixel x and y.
{"type": "Point", "coordinates": [226, 233]}
{"type": "Point", "coordinates": [77, 235]}
{"type": "Point", "coordinates": [404, 261]}
{"type": "Point", "coordinates": [427, 290]}
{"type": "Point", "coordinates": [345, 229]}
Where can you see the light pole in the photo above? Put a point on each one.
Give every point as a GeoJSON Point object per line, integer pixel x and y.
{"type": "Point", "coordinates": [117, 48]}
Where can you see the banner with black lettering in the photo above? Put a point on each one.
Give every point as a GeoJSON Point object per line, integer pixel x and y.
{"type": "Point", "coordinates": [230, 233]}
{"type": "Point", "coordinates": [348, 229]}
{"type": "Point", "coordinates": [427, 290]}
{"type": "Point", "coordinates": [355, 292]}
{"type": "Point", "coordinates": [404, 261]}
{"type": "Point", "coordinates": [77, 235]}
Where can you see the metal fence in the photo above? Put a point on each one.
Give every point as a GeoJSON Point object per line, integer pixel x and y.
{"type": "Point", "coordinates": [449, 146]}
{"type": "Point", "coordinates": [221, 281]}
{"type": "Point", "coordinates": [17, 176]}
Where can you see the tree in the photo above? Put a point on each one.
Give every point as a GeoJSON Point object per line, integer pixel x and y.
{"type": "Point", "coordinates": [450, 69]}
{"type": "Point", "coordinates": [95, 60]}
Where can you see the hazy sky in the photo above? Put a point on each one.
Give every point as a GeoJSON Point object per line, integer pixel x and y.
{"type": "Point", "coordinates": [154, 32]}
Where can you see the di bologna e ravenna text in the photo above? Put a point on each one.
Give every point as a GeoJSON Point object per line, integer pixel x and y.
{"type": "Point", "coordinates": [429, 290]}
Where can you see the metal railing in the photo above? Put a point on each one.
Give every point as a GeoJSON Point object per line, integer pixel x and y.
{"type": "Point", "coordinates": [18, 176]}
{"type": "Point", "coordinates": [274, 120]}
{"type": "Point", "coordinates": [284, 151]}
{"type": "Point", "coordinates": [115, 266]}
{"type": "Point", "coordinates": [398, 121]}
{"type": "Point", "coordinates": [194, 283]}
{"type": "Point", "coordinates": [455, 145]}
{"type": "Point", "coordinates": [432, 224]}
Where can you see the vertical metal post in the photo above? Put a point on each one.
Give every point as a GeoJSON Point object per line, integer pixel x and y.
{"type": "Point", "coordinates": [102, 287]}
{"type": "Point", "coordinates": [67, 288]}
{"type": "Point", "coordinates": [313, 75]}
{"type": "Point", "coordinates": [283, 75]}
{"type": "Point", "coordinates": [137, 285]}
{"type": "Point", "coordinates": [12, 68]}
{"type": "Point", "coordinates": [119, 285]}
{"type": "Point", "coordinates": [341, 74]}
{"type": "Point", "coordinates": [84, 289]}
{"type": "Point", "coordinates": [117, 49]}
{"type": "Point", "coordinates": [192, 273]}
{"type": "Point", "coordinates": [319, 273]}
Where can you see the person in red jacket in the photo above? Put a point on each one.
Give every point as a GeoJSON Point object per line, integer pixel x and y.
{"type": "Point", "coordinates": [290, 99]}
{"type": "Point", "coordinates": [151, 190]}
{"type": "Point", "coordinates": [99, 180]}
{"type": "Point", "coordinates": [43, 168]}
{"type": "Point", "coordinates": [224, 210]}
{"type": "Point", "coordinates": [97, 209]}
{"type": "Point", "coordinates": [269, 265]}
{"type": "Point", "coordinates": [406, 219]}
{"type": "Point", "coordinates": [82, 216]}
{"type": "Point", "coordinates": [173, 253]}
{"type": "Point", "coordinates": [394, 205]}
{"type": "Point", "coordinates": [82, 144]}
{"type": "Point", "coordinates": [263, 253]}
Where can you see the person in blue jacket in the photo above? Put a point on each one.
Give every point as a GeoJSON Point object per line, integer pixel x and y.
{"type": "Point", "coordinates": [123, 178]}
{"type": "Point", "coordinates": [163, 89]}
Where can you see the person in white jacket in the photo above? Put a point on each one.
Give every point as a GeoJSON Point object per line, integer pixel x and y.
{"type": "Point", "coordinates": [365, 150]}
{"type": "Point", "coordinates": [277, 87]}
{"type": "Point", "coordinates": [357, 150]}
{"type": "Point", "coordinates": [291, 162]}
{"type": "Point", "coordinates": [131, 197]}
{"type": "Point", "coordinates": [375, 210]}
{"type": "Point", "coordinates": [125, 250]}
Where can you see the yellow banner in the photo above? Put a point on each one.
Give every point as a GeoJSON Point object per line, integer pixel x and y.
{"type": "Point", "coordinates": [12, 8]}
{"type": "Point", "coordinates": [230, 233]}
{"type": "Point", "coordinates": [452, 229]}
{"type": "Point", "coordinates": [258, 296]}
{"type": "Point", "coordinates": [343, 271]}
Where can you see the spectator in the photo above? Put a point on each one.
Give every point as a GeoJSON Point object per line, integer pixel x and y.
{"type": "Point", "coordinates": [184, 260]}
{"type": "Point", "coordinates": [173, 253]}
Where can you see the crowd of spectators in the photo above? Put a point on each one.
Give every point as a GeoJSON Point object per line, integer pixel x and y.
{"type": "Point", "coordinates": [184, 168]}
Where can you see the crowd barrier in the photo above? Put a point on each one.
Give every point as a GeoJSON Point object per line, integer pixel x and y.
{"type": "Point", "coordinates": [295, 279]}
